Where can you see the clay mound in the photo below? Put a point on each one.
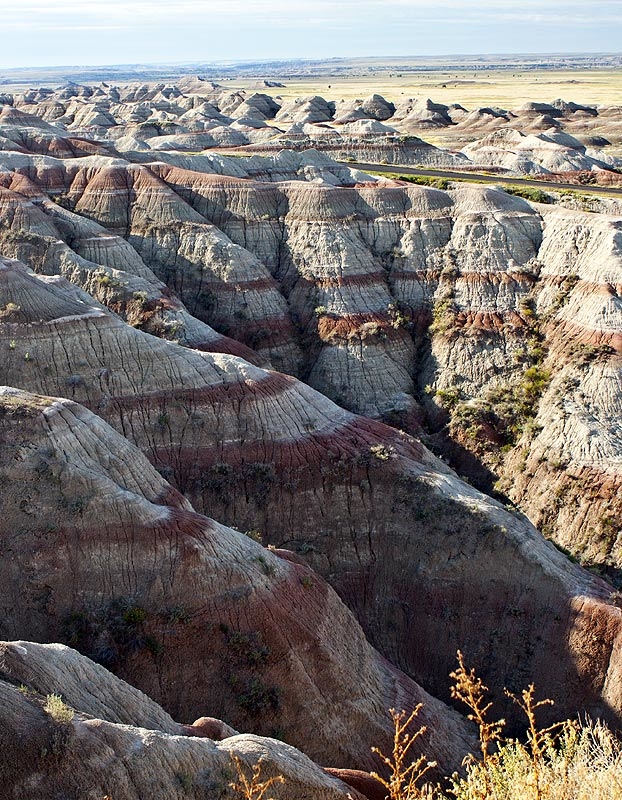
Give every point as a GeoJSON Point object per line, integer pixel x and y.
{"type": "Point", "coordinates": [552, 151]}
{"type": "Point", "coordinates": [348, 113]}
{"type": "Point", "coordinates": [46, 755]}
{"type": "Point", "coordinates": [361, 782]}
{"type": "Point", "coordinates": [306, 110]}
{"type": "Point", "coordinates": [427, 113]}
{"type": "Point", "coordinates": [483, 118]}
{"type": "Point", "coordinates": [23, 303]}
{"type": "Point", "coordinates": [260, 105]}
{"type": "Point", "coordinates": [11, 116]}
{"type": "Point", "coordinates": [367, 127]}
{"type": "Point", "coordinates": [84, 685]}
{"type": "Point", "coordinates": [373, 107]}
{"type": "Point", "coordinates": [377, 107]}
{"type": "Point", "coordinates": [538, 109]}
{"type": "Point", "coordinates": [568, 107]}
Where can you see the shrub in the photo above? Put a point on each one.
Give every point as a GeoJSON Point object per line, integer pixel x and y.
{"type": "Point", "coordinates": [382, 452]}
{"type": "Point", "coordinates": [444, 315]}
{"type": "Point", "coordinates": [403, 773]}
{"type": "Point", "coordinates": [255, 697]}
{"type": "Point", "coordinates": [529, 193]}
{"type": "Point", "coordinates": [58, 709]}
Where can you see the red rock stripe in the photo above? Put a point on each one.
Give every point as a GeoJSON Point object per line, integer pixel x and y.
{"type": "Point", "coordinates": [347, 443]}
{"type": "Point", "coordinates": [581, 334]}
{"type": "Point", "coordinates": [274, 384]}
{"type": "Point", "coordinates": [224, 344]}
{"type": "Point", "coordinates": [349, 280]}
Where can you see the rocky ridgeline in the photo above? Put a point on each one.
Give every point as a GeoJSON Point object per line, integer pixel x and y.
{"type": "Point", "coordinates": [106, 739]}
{"type": "Point", "coordinates": [156, 295]}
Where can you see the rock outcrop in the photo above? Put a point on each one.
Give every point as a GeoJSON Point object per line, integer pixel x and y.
{"type": "Point", "coordinates": [57, 747]}
{"type": "Point", "coordinates": [154, 289]}
{"type": "Point", "coordinates": [264, 452]}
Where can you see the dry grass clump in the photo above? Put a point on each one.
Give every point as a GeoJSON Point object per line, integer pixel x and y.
{"type": "Point", "coordinates": [582, 763]}
{"type": "Point", "coordinates": [57, 709]}
{"type": "Point", "coordinates": [565, 761]}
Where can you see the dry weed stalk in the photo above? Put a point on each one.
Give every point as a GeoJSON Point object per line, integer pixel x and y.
{"type": "Point", "coordinates": [404, 776]}
{"type": "Point", "coordinates": [470, 690]}
{"type": "Point", "coordinates": [540, 741]}
{"type": "Point", "coordinates": [253, 787]}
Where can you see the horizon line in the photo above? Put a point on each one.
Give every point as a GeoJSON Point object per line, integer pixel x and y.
{"type": "Point", "coordinates": [312, 60]}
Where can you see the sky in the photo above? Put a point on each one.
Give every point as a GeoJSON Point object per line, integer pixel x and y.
{"type": "Point", "coordinates": [86, 32]}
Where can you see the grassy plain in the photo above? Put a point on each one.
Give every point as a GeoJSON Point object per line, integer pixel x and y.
{"type": "Point", "coordinates": [470, 88]}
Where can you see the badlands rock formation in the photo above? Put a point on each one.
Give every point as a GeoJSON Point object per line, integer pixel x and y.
{"type": "Point", "coordinates": [370, 508]}
{"type": "Point", "coordinates": [107, 556]}
{"type": "Point", "coordinates": [338, 286]}
{"type": "Point", "coordinates": [156, 290]}
{"type": "Point", "coordinates": [537, 137]}
{"type": "Point", "coordinates": [98, 745]}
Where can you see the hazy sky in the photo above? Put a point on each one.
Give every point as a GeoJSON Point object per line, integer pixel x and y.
{"type": "Point", "coordinates": [81, 32]}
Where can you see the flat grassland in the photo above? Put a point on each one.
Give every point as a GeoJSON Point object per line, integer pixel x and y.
{"type": "Point", "coordinates": [472, 89]}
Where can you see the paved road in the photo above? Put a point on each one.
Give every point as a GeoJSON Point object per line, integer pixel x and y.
{"type": "Point", "coordinates": [474, 176]}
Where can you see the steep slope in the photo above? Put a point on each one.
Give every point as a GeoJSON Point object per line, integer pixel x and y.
{"type": "Point", "coordinates": [570, 475]}
{"type": "Point", "coordinates": [402, 539]}
{"type": "Point", "coordinates": [99, 551]}
{"type": "Point", "coordinates": [55, 241]}
{"type": "Point", "coordinates": [46, 669]}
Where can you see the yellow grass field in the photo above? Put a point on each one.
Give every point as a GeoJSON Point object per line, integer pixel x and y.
{"type": "Point", "coordinates": [471, 89]}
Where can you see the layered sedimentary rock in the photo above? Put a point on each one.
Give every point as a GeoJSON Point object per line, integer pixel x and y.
{"type": "Point", "coordinates": [62, 748]}
{"type": "Point", "coordinates": [56, 241]}
{"type": "Point", "coordinates": [486, 324]}
{"type": "Point", "coordinates": [336, 285]}
{"type": "Point", "coordinates": [569, 473]}
{"type": "Point", "coordinates": [401, 538]}
{"type": "Point", "coordinates": [194, 116]}
{"type": "Point", "coordinates": [99, 551]}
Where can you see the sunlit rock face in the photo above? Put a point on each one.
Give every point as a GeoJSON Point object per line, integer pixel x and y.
{"type": "Point", "coordinates": [161, 290]}
{"type": "Point", "coordinates": [105, 736]}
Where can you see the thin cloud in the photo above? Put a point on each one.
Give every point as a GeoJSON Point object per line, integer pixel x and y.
{"type": "Point", "coordinates": [36, 14]}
